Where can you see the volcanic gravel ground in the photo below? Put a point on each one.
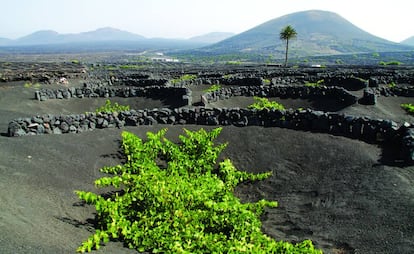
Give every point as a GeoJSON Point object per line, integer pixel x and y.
{"type": "Point", "coordinates": [332, 190]}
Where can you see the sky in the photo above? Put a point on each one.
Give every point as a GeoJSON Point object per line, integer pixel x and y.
{"type": "Point", "coordinates": [392, 20]}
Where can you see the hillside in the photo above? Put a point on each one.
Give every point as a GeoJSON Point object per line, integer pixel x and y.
{"type": "Point", "coordinates": [319, 33]}
{"type": "Point", "coordinates": [4, 41]}
{"type": "Point", "coordinates": [408, 41]}
{"type": "Point", "coordinates": [210, 38]}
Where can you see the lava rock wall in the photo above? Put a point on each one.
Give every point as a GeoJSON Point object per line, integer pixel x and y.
{"type": "Point", "coordinates": [362, 128]}
{"type": "Point", "coordinates": [293, 92]}
{"type": "Point", "coordinates": [182, 95]}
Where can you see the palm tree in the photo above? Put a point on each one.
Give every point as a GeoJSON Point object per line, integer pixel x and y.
{"type": "Point", "coordinates": [286, 34]}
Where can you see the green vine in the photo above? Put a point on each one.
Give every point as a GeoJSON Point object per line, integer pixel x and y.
{"type": "Point", "coordinates": [185, 77]}
{"type": "Point", "coordinates": [264, 103]}
{"type": "Point", "coordinates": [315, 84]}
{"type": "Point", "coordinates": [212, 88]}
{"type": "Point", "coordinates": [176, 198]}
{"type": "Point", "coordinates": [408, 107]}
{"type": "Point", "coordinates": [109, 107]}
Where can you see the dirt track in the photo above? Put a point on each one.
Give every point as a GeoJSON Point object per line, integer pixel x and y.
{"type": "Point", "coordinates": [331, 190]}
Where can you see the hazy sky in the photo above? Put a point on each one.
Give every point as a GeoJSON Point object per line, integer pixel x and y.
{"type": "Point", "coordinates": [389, 19]}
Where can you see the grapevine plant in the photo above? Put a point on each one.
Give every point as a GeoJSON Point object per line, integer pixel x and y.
{"type": "Point", "coordinates": [176, 198]}
{"type": "Point", "coordinates": [319, 83]}
{"type": "Point", "coordinates": [213, 88]}
{"type": "Point", "coordinates": [264, 103]}
{"type": "Point", "coordinates": [408, 107]}
{"type": "Point", "coordinates": [110, 108]}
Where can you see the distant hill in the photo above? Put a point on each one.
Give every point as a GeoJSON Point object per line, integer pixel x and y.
{"type": "Point", "coordinates": [106, 34]}
{"type": "Point", "coordinates": [409, 41]}
{"type": "Point", "coordinates": [103, 39]}
{"type": "Point", "coordinates": [53, 37]}
{"type": "Point", "coordinates": [40, 37]}
{"type": "Point", "coordinates": [4, 41]}
{"type": "Point", "coordinates": [211, 38]}
{"type": "Point", "coordinates": [319, 33]}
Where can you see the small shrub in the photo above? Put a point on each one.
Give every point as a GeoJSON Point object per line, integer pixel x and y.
{"type": "Point", "coordinates": [313, 84]}
{"type": "Point", "coordinates": [30, 85]}
{"type": "Point", "coordinates": [233, 62]}
{"type": "Point", "coordinates": [264, 103]}
{"type": "Point", "coordinates": [390, 63]}
{"type": "Point", "coordinates": [185, 77]}
{"type": "Point", "coordinates": [376, 54]}
{"type": "Point", "coordinates": [267, 82]}
{"type": "Point", "coordinates": [228, 76]}
{"type": "Point", "coordinates": [392, 84]}
{"type": "Point", "coordinates": [408, 107]}
{"type": "Point", "coordinates": [212, 88]}
{"type": "Point", "coordinates": [339, 61]}
{"type": "Point", "coordinates": [75, 61]}
{"type": "Point", "coordinates": [109, 107]}
{"type": "Point", "coordinates": [111, 68]}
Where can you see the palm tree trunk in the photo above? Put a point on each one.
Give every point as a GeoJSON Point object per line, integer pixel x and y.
{"type": "Point", "coordinates": [287, 48]}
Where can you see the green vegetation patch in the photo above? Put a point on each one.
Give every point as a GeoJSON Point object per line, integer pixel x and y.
{"type": "Point", "coordinates": [390, 63]}
{"type": "Point", "coordinates": [264, 103]}
{"type": "Point", "coordinates": [392, 84]}
{"type": "Point", "coordinates": [110, 107]}
{"type": "Point", "coordinates": [212, 88]}
{"type": "Point", "coordinates": [176, 198]}
{"type": "Point", "coordinates": [317, 84]}
{"type": "Point", "coordinates": [228, 76]}
{"type": "Point", "coordinates": [267, 82]}
{"type": "Point", "coordinates": [408, 107]}
{"type": "Point", "coordinates": [130, 66]}
{"type": "Point", "coordinates": [233, 62]}
{"type": "Point", "coordinates": [31, 85]}
{"type": "Point", "coordinates": [185, 77]}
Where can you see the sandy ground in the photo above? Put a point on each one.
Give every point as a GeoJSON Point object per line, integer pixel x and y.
{"type": "Point", "coordinates": [332, 190]}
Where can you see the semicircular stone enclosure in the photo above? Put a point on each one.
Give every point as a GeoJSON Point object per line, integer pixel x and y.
{"type": "Point", "coordinates": [324, 100]}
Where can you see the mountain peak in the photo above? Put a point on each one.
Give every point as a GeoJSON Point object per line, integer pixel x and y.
{"type": "Point", "coordinates": [319, 32]}
{"type": "Point", "coordinates": [40, 37]}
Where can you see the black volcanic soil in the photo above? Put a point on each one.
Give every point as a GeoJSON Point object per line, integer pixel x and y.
{"type": "Point", "coordinates": [332, 190]}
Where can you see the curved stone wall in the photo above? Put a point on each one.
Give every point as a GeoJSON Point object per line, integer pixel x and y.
{"type": "Point", "coordinates": [182, 95]}
{"type": "Point", "coordinates": [337, 93]}
{"type": "Point", "coordinates": [363, 128]}
{"type": "Point", "coordinates": [407, 91]}
{"type": "Point", "coordinates": [263, 84]}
